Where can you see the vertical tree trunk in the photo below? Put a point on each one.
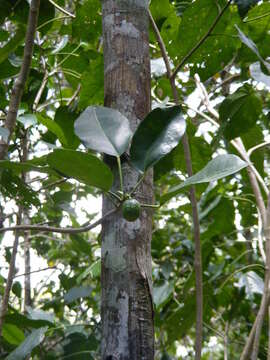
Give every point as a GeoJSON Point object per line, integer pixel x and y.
{"type": "Point", "coordinates": [127, 310]}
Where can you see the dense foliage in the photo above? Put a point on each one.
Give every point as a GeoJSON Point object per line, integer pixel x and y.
{"type": "Point", "coordinates": [227, 99]}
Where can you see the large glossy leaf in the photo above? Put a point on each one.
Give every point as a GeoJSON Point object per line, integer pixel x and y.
{"type": "Point", "coordinates": [239, 112]}
{"type": "Point", "coordinates": [103, 129]}
{"type": "Point", "coordinates": [81, 166]}
{"type": "Point", "coordinates": [26, 347]}
{"type": "Point", "coordinates": [218, 168]}
{"type": "Point", "coordinates": [156, 136]}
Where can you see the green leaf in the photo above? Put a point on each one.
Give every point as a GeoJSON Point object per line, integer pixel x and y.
{"type": "Point", "coordinates": [156, 136]}
{"type": "Point", "coordinates": [218, 168]}
{"type": "Point", "coordinates": [65, 118]}
{"type": "Point", "coordinates": [12, 45]}
{"type": "Point", "coordinates": [162, 293]}
{"type": "Point", "coordinates": [77, 293]}
{"type": "Point", "coordinates": [82, 167]}
{"type": "Point", "coordinates": [37, 314]}
{"type": "Point", "coordinates": [93, 270]}
{"type": "Point", "coordinates": [218, 49]}
{"type": "Point", "coordinates": [103, 129]}
{"type": "Point", "coordinates": [252, 46]}
{"type": "Point", "coordinates": [244, 6]}
{"type": "Point", "coordinates": [26, 347]}
{"type": "Point", "coordinates": [53, 127]}
{"type": "Point", "coordinates": [27, 120]}
{"type": "Point", "coordinates": [92, 84]}
{"type": "Point", "coordinates": [19, 167]}
{"type": "Point", "coordinates": [12, 334]}
{"type": "Point", "coordinates": [239, 112]}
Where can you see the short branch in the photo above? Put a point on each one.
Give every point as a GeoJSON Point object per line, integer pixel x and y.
{"type": "Point", "coordinates": [59, 229]}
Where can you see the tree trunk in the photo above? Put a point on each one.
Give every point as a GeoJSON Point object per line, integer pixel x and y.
{"type": "Point", "coordinates": [127, 309]}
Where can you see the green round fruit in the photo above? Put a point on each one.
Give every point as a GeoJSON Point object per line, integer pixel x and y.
{"type": "Point", "coordinates": [131, 209]}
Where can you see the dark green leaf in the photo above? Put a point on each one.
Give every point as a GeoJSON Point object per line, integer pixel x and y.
{"type": "Point", "coordinates": [65, 118]}
{"type": "Point", "coordinates": [103, 129]}
{"type": "Point", "coordinates": [245, 5]}
{"type": "Point", "coordinates": [26, 347]}
{"type": "Point", "coordinates": [218, 168]}
{"type": "Point", "coordinates": [156, 136]}
{"type": "Point", "coordinates": [162, 293]}
{"type": "Point", "coordinates": [239, 112]}
{"type": "Point", "coordinates": [252, 46]}
{"type": "Point", "coordinates": [53, 127]}
{"type": "Point", "coordinates": [82, 167]}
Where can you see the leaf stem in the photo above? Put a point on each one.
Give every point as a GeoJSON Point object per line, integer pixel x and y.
{"type": "Point", "coordinates": [153, 206]}
{"type": "Point", "coordinates": [138, 184]}
{"type": "Point", "coordinates": [120, 173]}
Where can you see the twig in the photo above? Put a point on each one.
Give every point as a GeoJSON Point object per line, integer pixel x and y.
{"type": "Point", "coordinates": [266, 293]}
{"type": "Point", "coordinates": [201, 41]}
{"type": "Point", "coordinates": [74, 95]}
{"type": "Point", "coordinates": [259, 146]}
{"type": "Point", "coordinates": [11, 272]}
{"type": "Point", "coordinates": [59, 229]}
{"type": "Point", "coordinates": [18, 88]}
{"type": "Point", "coordinates": [196, 223]}
{"type": "Point", "coordinates": [40, 91]}
{"type": "Point", "coordinates": [36, 271]}
{"type": "Point", "coordinates": [64, 11]}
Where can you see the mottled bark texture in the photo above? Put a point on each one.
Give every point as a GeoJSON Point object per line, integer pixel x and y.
{"type": "Point", "coordinates": [127, 310]}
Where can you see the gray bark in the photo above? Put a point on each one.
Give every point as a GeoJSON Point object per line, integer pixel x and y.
{"type": "Point", "coordinates": [127, 309]}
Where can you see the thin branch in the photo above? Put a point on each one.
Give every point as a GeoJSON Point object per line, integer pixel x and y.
{"type": "Point", "coordinates": [76, 93]}
{"type": "Point", "coordinates": [201, 41]}
{"type": "Point", "coordinates": [259, 146]}
{"type": "Point", "coordinates": [64, 11]}
{"type": "Point", "coordinates": [266, 293]}
{"type": "Point", "coordinates": [18, 88]}
{"type": "Point", "coordinates": [59, 229]}
{"type": "Point", "coordinates": [193, 200]}
{"type": "Point", "coordinates": [254, 175]}
{"type": "Point", "coordinates": [11, 273]}
{"type": "Point", "coordinates": [37, 271]}
{"type": "Point", "coordinates": [40, 91]}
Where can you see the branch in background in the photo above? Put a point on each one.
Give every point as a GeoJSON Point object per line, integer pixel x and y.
{"type": "Point", "coordinates": [266, 293]}
{"type": "Point", "coordinates": [18, 88]}
{"type": "Point", "coordinates": [76, 93]}
{"type": "Point", "coordinates": [64, 11]}
{"type": "Point", "coordinates": [11, 273]}
{"type": "Point", "coordinates": [37, 271]}
{"type": "Point", "coordinates": [196, 223]}
{"type": "Point", "coordinates": [254, 176]}
{"type": "Point", "coordinates": [26, 220]}
{"type": "Point", "coordinates": [201, 41]}
{"type": "Point", "coordinates": [59, 229]}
